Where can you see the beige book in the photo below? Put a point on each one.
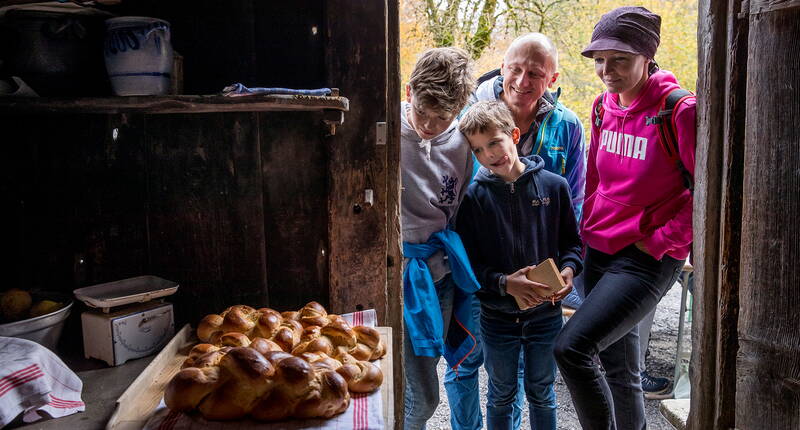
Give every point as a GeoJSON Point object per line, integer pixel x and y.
{"type": "Point", "coordinates": [545, 273]}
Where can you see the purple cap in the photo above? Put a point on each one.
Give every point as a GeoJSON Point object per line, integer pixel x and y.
{"type": "Point", "coordinates": [630, 29]}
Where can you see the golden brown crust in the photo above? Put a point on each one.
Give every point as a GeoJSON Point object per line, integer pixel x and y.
{"type": "Point", "coordinates": [361, 376]}
{"type": "Point", "coordinates": [208, 326]}
{"type": "Point", "coordinates": [274, 366]}
{"type": "Point", "coordinates": [190, 386]}
{"type": "Point", "coordinates": [234, 340]}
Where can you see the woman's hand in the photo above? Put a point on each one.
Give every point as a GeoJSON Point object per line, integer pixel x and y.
{"type": "Point", "coordinates": [519, 286]}
{"type": "Point", "coordinates": [568, 274]}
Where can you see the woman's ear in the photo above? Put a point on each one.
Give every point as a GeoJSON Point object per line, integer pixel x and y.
{"type": "Point", "coordinates": [515, 135]}
{"type": "Point", "coordinates": [408, 93]}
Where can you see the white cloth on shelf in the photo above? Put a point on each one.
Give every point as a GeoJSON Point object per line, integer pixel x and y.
{"type": "Point", "coordinates": [34, 380]}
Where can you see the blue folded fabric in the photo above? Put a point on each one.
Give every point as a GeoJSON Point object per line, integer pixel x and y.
{"type": "Point", "coordinates": [238, 89]}
{"type": "Point", "coordinates": [421, 311]}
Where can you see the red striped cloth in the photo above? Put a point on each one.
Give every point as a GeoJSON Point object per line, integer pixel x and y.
{"type": "Point", "coordinates": [34, 381]}
{"type": "Point", "coordinates": [364, 413]}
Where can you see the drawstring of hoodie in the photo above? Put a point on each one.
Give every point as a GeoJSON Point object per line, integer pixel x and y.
{"type": "Point", "coordinates": [425, 143]}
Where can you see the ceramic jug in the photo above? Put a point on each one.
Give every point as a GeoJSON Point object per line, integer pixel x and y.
{"type": "Point", "coordinates": [138, 55]}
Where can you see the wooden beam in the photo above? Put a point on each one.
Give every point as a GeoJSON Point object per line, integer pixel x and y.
{"type": "Point", "coordinates": [731, 221]}
{"type": "Point", "coordinates": [768, 370]}
{"type": "Point", "coordinates": [172, 104]}
{"type": "Point", "coordinates": [712, 34]}
{"type": "Point", "coordinates": [762, 6]}
{"type": "Point", "coordinates": [394, 248]}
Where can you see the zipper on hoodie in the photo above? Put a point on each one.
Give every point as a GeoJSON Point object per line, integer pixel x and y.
{"type": "Point", "coordinates": [514, 245]}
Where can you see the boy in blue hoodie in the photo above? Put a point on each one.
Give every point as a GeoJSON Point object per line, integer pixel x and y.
{"type": "Point", "coordinates": [438, 283]}
{"type": "Point", "coordinates": [514, 216]}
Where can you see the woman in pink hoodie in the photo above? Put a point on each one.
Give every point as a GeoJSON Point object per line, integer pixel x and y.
{"type": "Point", "coordinates": [637, 223]}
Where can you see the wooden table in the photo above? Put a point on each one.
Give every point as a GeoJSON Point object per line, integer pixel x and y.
{"type": "Point", "coordinates": [138, 402]}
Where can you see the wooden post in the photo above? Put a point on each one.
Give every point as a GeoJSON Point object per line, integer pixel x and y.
{"type": "Point", "coordinates": [768, 370]}
{"type": "Point", "coordinates": [731, 221]}
{"type": "Point", "coordinates": [712, 34]}
{"type": "Point", "coordinates": [394, 250]}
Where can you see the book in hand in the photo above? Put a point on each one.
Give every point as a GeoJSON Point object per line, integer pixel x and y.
{"type": "Point", "coordinates": [545, 273]}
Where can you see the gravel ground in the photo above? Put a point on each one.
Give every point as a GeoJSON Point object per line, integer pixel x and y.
{"type": "Point", "coordinates": [661, 362]}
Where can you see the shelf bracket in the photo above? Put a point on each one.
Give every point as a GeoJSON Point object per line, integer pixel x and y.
{"type": "Point", "coordinates": [332, 118]}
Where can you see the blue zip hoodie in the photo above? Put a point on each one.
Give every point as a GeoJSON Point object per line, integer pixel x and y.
{"type": "Point", "coordinates": [506, 226]}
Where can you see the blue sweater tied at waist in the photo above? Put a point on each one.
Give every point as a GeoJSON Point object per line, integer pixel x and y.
{"type": "Point", "coordinates": [422, 313]}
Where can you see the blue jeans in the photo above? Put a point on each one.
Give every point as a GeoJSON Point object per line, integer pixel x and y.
{"type": "Point", "coordinates": [421, 380]}
{"type": "Point", "coordinates": [620, 290]}
{"type": "Point", "coordinates": [463, 393]}
{"type": "Point", "coordinates": [503, 340]}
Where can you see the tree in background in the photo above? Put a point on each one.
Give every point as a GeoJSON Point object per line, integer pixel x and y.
{"type": "Point", "coordinates": [471, 24]}
{"type": "Point", "coordinates": [568, 22]}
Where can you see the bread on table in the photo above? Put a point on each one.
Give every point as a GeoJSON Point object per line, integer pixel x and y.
{"type": "Point", "coordinates": [231, 383]}
{"type": "Point", "coordinates": [273, 366]}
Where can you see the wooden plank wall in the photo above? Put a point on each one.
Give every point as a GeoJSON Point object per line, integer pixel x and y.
{"type": "Point", "coordinates": [205, 209]}
{"type": "Point", "coordinates": [768, 369]}
{"type": "Point", "coordinates": [295, 185]}
{"type": "Point", "coordinates": [357, 229]}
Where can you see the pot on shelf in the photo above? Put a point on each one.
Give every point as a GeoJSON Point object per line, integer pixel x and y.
{"type": "Point", "coordinates": [138, 55]}
{"type": "Point", "coordinates": [56, 53]}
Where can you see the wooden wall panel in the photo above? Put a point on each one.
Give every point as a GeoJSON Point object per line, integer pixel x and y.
{"type": "Point", "coordinates": [768, 370]}
{"type": "Point", "coordinates": [356, 62]}
{"type": "Point", "coordinates": [205, 222]}
{"type": "Point", "coordinates": [295, 187]}
{"type": "Point", "coordinates": [78, 200]}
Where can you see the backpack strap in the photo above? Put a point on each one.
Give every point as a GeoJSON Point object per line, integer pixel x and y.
{"type": "Point", "coordinates": [666, 130]}
{"type": "Point", "coordinates": [598, 109]}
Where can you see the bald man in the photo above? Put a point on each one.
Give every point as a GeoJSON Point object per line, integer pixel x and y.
{"type": "Point", "coordinates": [553, 132]}
{"type": "Point", "coordinates": [550, 130]}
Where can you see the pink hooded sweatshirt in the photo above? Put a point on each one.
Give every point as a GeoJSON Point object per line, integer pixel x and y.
{"type": "Point", "coordinates": [634, 190]}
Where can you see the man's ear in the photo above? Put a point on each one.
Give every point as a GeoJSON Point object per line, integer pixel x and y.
{"type": "Point", "coordinates": [515, 135]}
{"type": "Point", "coordinates": [408, 93]}
{"type": "Point", "coordinates": [553, 80]}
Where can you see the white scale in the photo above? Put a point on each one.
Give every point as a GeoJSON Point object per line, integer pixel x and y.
{"type": "Point", "coordinates": [138, 326]}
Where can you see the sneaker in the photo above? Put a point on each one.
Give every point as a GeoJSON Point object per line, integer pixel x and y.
{"type": "Point", "coordinates": [653, 386]}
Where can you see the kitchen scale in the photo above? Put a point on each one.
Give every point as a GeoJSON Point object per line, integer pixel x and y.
{"type": "Point", "coordinates": [131, 319]}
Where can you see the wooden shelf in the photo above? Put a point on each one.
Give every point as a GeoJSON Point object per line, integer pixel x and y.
{"type": "Point", "coordinates": [173, 104]}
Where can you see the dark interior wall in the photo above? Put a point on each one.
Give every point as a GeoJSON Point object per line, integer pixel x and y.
{"type": "Point", "coordinates": [257, 43]}
{"type": "Point", "coordinates": [232, 206]}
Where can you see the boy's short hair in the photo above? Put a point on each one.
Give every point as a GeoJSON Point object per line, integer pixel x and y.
{"type": "Point", "coordinates": [443, 79]}
{"type": "Point", "coordinates": [486, 115]}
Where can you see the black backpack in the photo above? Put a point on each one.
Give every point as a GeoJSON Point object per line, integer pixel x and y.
{"type": "Point", "coordinates": [666, 127]}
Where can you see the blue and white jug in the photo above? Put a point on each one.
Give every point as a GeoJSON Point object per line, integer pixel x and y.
{"type": "Point", "coordinates": [138, 55]}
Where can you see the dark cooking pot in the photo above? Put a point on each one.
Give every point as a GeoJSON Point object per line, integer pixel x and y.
{"type": "Point", "coordinates": [56, 54]}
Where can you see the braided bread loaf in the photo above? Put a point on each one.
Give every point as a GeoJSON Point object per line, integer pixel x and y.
{"type": "Point", "coordinates": [310, 329]}
{"type": "Point", "coordinates": [225, 383]}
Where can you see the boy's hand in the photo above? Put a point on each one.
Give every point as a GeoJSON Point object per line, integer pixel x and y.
{"type": "Point", "coordinates": [519, 286]}
{"type": "Point", "coordinates": [567, 274]}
